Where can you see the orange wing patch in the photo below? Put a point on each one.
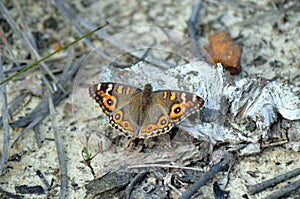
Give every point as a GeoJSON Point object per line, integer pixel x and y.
{"type": "Point", "coordinates": [177, 110]}
{"type": "Point", "coordinates": [161, 124]}
{"type": "Point", "coordinates": [118, 119]}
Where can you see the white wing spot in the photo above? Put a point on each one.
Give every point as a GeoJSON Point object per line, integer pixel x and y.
{"type": "Point", "coordinates": [98, 87]}
{"type": "Point", "coordinates": [183, 97]}
{"type": "Point", "coordinates": [110, 87]}
{"type": "Point", "coordinates": [194, 98]}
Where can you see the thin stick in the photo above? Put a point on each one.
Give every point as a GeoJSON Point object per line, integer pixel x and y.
{"type": "Point", "coordinates": [6, 194]}
{"type": "Point", "coordinates": [192, 30]}
{"type": "Point", "coordinates": [4, 120]}
{"type": "Point", "coordinates": [43, 179]}
{"type": "Point", "coordinates": [285, 191]}
{"type": "Point", "coordinates": [163, 166]}
{"type": "Point", "coordinates": [274, 181]}
{"type": "Point", "coordinates": [133, 182]}
{"type": "Point", "coordinates": [203, 179]}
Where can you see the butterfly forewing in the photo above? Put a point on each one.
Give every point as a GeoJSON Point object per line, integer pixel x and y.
{"type": "Point", "coordinates": [178, 104]}
{"type": "Point", "coordinates": [112, 96]}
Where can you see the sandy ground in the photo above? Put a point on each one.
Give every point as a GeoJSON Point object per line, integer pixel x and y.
{"type": "Point", "coordinates": [267, 29]}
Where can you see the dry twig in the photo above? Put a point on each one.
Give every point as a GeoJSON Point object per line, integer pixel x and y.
{"type": "Point", "coordinates": [285, 191]}
{"type": "Point", "coordinates": [4, 119]}
{"type": "Point", "coordinates": [6, 194]}
{"type": "Point", "coordinates": [192, 29]}
{"type": "Point", "coordinates": [272, 182]}
{"type": "Point", "coordinates": [207, 176]}
{"type": "Point", "coordinates": [133, 182]}
{"type": "Point", "coordinates": [163, 166]}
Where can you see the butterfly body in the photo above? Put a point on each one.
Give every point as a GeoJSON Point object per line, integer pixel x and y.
{"type": "Point", "coordinates": [143, 113]}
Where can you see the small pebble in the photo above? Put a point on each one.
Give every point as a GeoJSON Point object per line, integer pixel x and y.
{"type": "Point", "coordinates": [223, 49]}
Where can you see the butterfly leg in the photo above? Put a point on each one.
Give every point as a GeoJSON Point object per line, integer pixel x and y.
{"type": "Point", "coordinates": [134, 144]}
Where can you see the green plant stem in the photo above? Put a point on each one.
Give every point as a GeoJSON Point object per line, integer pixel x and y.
{"type": "Point", "coordinates": [51, 54]}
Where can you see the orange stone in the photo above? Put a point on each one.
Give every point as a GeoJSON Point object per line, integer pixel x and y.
{"type": "Point", "coordinates": [223, 49]}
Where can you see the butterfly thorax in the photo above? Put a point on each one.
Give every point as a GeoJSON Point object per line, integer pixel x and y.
{"type": "Point", "coordinates": [145, 103]}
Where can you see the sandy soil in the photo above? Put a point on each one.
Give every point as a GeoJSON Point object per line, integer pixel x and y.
{"type": "Point", "coordinates": [268, 30]}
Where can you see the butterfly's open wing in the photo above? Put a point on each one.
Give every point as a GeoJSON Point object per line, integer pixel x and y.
{"type": "Point", "coordinates": [112, 96]}
{"type": "Point", "coordinates": [168, 108]}
{"type": "Point", "coordinates": [178, 104]}
{"type": "Point", "coordinates": [114, 99]}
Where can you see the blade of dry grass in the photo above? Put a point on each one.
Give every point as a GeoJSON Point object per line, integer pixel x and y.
{"type": "Point", "coordinates": [70, 18]}
{"type": "Point", "coordinates": [8, 48]}
{"type": "Point", "coordinates": [126, 48]}
{"type": "Point", "coordinates": [4, 120]}
{"type": "Point", "coordinates": [60, 152]}
{"type": "Point", "coordinates": [104, 35]}
{"type": "Point", "coordinates": [42, 109]}
{"type": "Point", "coordinates": [13, 105]}
{"type": "Point", "coordinates": [37, 136]}
{"type": "Point", "coordinates": [31, 47]}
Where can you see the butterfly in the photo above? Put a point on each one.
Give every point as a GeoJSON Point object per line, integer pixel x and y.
{"type": "Point", "coordinates": [144, 113]}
